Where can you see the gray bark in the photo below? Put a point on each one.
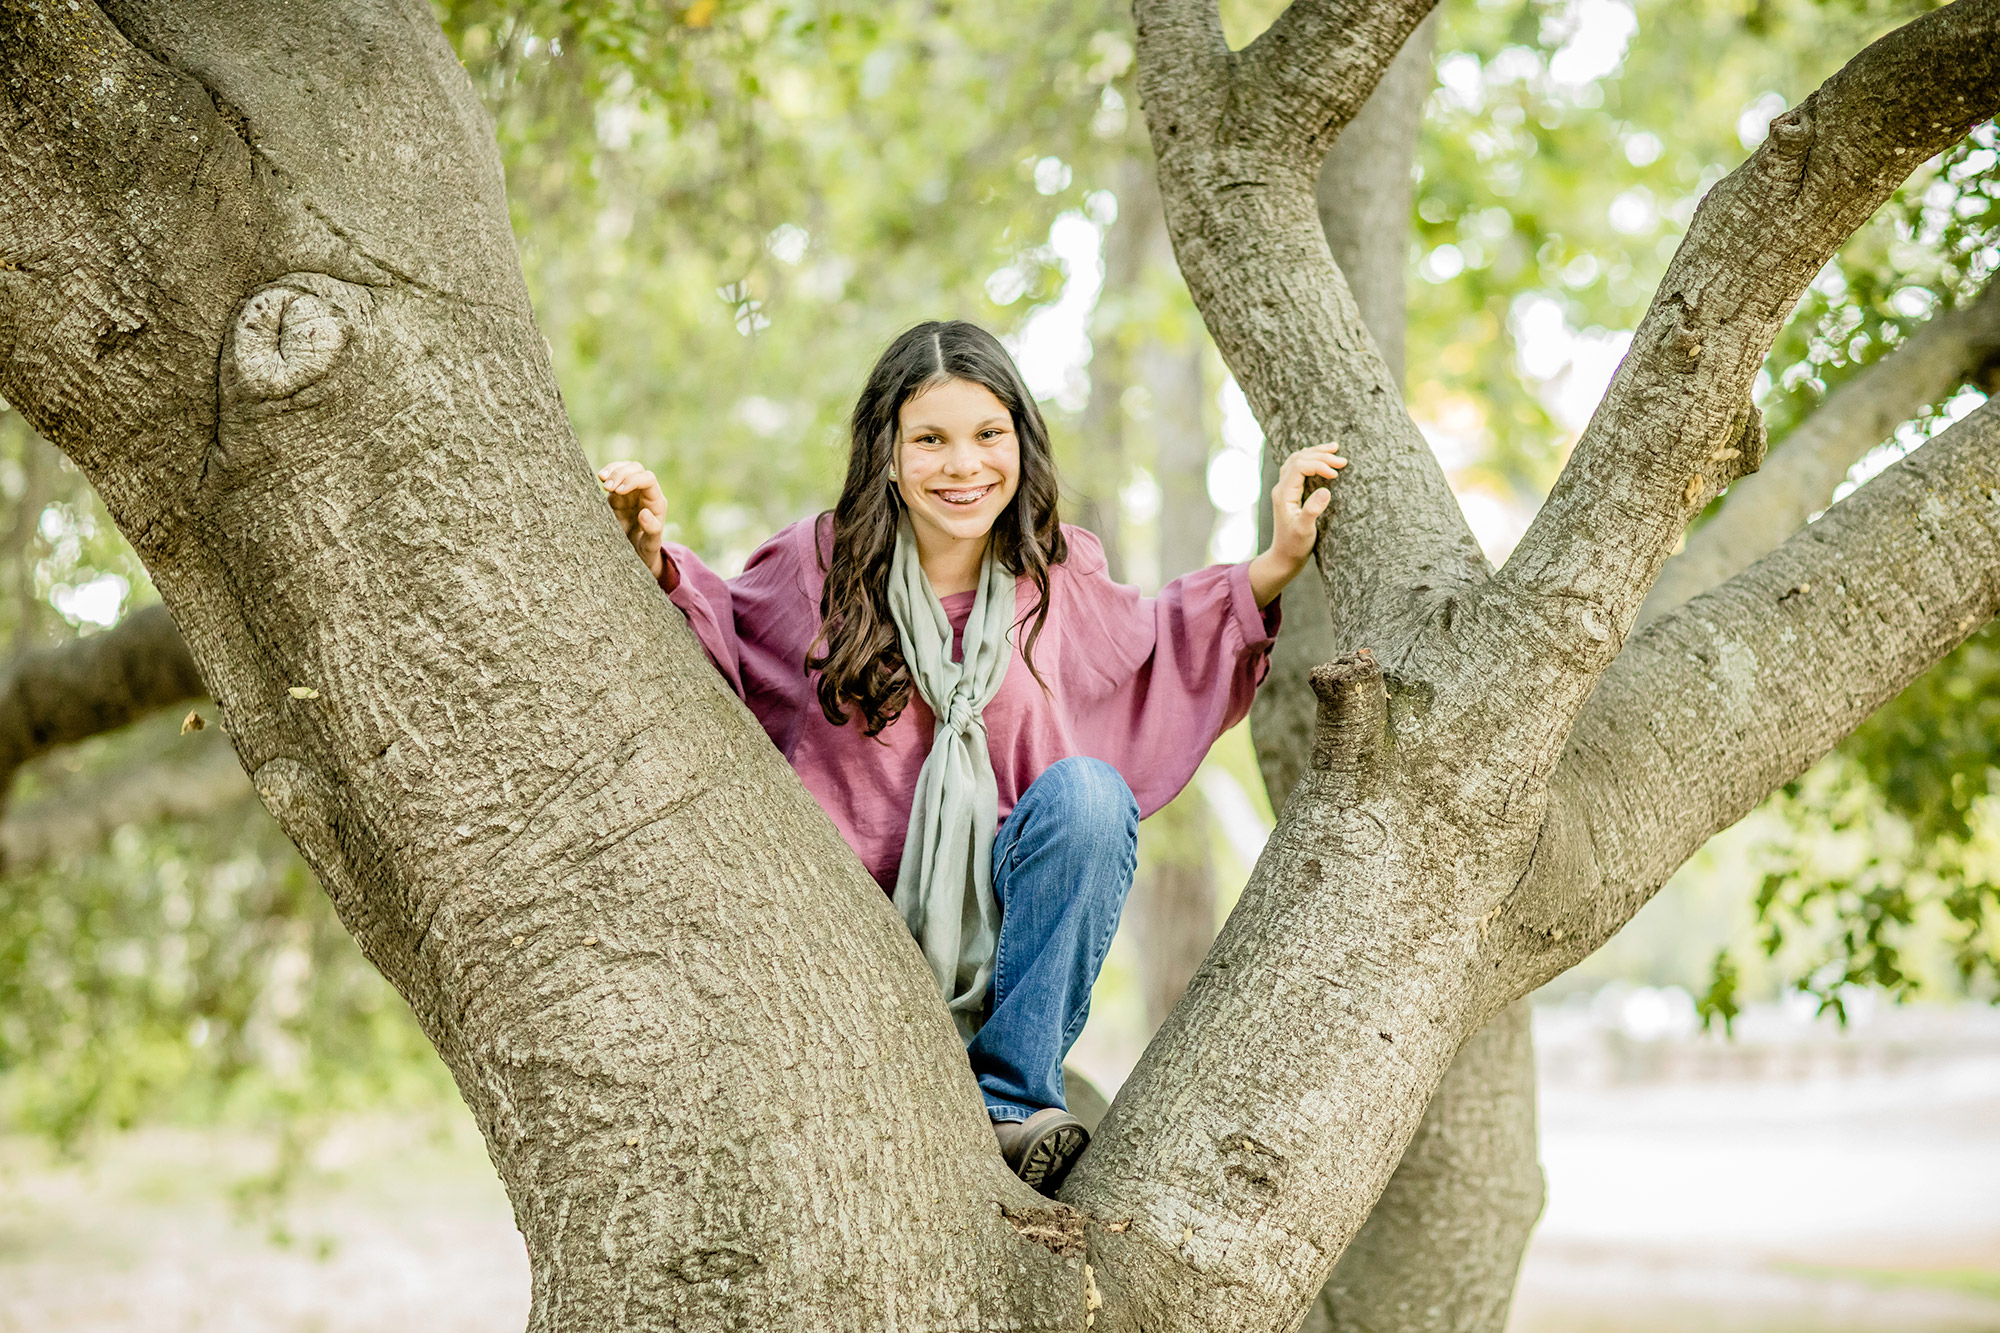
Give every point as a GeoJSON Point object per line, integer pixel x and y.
{"type": "Point", "coordinates": [1363, 195]}
{"type": "Point", "coordinates": [1715, 704]}
{"type": "Point", "coordinates": [1763, 509]}
{"type": "Point", "coordinates": [256, 279]}
{"type": "Point", "coordinates": [1442, 1248]}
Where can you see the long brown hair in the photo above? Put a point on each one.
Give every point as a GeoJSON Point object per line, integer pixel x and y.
{"type": "Point", "coordinates": [859, 657]}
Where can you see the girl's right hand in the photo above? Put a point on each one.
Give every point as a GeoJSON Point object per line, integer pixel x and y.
{"type": "Point", "coordinates": [640, 507]}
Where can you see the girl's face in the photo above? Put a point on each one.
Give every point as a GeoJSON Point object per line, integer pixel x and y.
{"type": "Point", "coordinates": [958, 462]}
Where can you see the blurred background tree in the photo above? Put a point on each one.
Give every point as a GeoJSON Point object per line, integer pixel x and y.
{"type": "Point", "coordinates": [725, 208]}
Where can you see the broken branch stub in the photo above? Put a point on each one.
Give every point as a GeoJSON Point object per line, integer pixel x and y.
{"type": "Point", "coordinates": [1353, 713]}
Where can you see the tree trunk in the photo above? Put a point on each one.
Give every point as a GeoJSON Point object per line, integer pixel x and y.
{"type": "Point", "coordinates": [1363, 194]}
{"type": "Point", "coordinates": [1443, 1247]}
{"type": "Point", "coordinates": [1441, 1250]}
{"type": "Point", "coordinates": [1173, 908]}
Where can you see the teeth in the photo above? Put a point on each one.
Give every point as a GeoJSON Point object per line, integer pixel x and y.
{"type": "Point", "coordinates": [964, 497]}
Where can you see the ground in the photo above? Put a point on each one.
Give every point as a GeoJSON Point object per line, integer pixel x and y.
{"type": "Point", "coordinates": [1801, 1183]}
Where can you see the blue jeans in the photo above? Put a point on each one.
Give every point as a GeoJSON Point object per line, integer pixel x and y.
{"type": "Point", "coordinates": [1062, 863]}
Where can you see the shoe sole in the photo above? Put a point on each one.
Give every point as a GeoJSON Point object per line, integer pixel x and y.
{"type": "Point", "coordinates": [1047, 1161]}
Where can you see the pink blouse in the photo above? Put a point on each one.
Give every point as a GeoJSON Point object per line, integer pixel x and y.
{"type": "Point", "coordinates": [1143, 683]}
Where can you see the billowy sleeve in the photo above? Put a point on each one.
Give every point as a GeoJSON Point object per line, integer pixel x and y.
{"type": "Point", "coordinates": [757, 627]}
{"type": "Point", "coordinates": [1152, 681]}
{"type": "Point", "coordinates": [704, 597]}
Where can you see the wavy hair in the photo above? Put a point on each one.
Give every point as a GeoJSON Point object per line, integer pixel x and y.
{"type": "Point", "coordinates": [857, 653]}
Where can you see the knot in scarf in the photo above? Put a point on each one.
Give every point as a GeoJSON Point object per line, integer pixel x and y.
{"type": "Point", "coordinates": [944, 889]}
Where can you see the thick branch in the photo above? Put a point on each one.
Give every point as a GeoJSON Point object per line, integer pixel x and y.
{"type": "Point", "coordinates": [1264, 1121]}
{"type": "Point", "coordinates": [1745, 687]}
{"type": "Point", "coordinates": [1671, 430]}
{"type": "Point", "coordinates": [1310, 1177]}
{"type": "Point", "coordinates": [1441, 1251]}
{"type": "Point", "coordinates": [1363, 197]}
{"type": "Point", "coordinates": [1308, 74]}
{"type": "Point", "coordinates": [1799, 478]}
{"type": "Point", "coordinates": [1187, 33]}
{"type": "Point", "coordinates": [1442, 1248]}
{"type": "Point", "coordinates": [1248, 238]}
{"type": "Point", "coordinates": [61, 695]}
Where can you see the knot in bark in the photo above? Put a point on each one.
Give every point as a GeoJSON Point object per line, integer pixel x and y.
{"type": "Point", "coordinates": [1353, 713]}
{"type": "Point", "coordinates": [1792, 132]}
{"type": "Point", "coordinates": [1789, 144]}
{"type": "Point", "coordinates": [284, 340]}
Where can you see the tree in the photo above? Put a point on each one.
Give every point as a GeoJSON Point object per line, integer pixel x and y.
{"type": "Point", "coordinates": [258, 284]}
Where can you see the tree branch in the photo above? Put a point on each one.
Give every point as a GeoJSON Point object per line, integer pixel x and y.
{"type": "Point", "coordinates": [61, 695]}
{"type": "Point", "coordinates": [1763, 509]}
{"type": "Point", "coordinates": [1308, 74]}
{"type": "Point", "coordinates": [1247, 235]}
{"type": "Point", "coordinates": [1261, 1125]}
{"type": "Point", "coordinates": [1442, 1250]}
{"type": "Point", "coordinates": [1745, 687]}
{"type": "Point", "coordinates": [1187, 33]}
{"type": "Point", "coordinates": [1672, 429]}
{"type": "Point", "coordinates": [1363, 196]}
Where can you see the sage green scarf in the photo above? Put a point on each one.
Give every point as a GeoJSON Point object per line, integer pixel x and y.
{"type": "Point", "coordinates": [945, 887]}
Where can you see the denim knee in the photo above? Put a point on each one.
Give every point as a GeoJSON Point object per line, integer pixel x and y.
{"type": "Point", "coordinates": [1093, 797]}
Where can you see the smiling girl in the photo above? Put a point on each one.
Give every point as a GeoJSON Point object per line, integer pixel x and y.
{"type": "Point", "coordinates": [981, 711]}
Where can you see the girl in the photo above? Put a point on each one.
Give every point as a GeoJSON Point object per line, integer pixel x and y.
{"type": "Point", "coordinates": [981, 711]}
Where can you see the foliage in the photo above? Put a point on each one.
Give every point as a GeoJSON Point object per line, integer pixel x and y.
{"type": "Point", "coordinates": [725, 211]}
{"type": "Point", "coordinates": [1564, 152]}
{"type": "Point", "coordinates": [188, 970]}
{"type": "Point", "coordinates": [1890, 874]}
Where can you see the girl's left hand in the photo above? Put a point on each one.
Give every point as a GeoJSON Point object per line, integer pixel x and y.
{"type": "Point", "coordinates": [1294, 519]}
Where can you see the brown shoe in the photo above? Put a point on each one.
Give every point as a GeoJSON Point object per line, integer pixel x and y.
{"type": "Point", "coordinates": [1042, 1148]}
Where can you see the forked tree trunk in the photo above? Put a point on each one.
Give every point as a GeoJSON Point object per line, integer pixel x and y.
{"type": "Point", "coordinates": [256, 279]}
{"type": "Point", "coordinates": [1442, 1249]}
